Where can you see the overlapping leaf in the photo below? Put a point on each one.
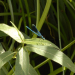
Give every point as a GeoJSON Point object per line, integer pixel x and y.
{"type": "Point", "coordinates": [5, 57]}
{"type": "Point", "coordinates": [12, 32]}
{"type": "Point", "coordinates": [39, 41]}
{"type": "Point", "coordinates": [22, 62]}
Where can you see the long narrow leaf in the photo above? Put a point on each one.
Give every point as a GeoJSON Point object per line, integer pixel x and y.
{"type": "Point", "coordinates": [5, 57]}
{"type": "Point", "coordinates": [12, 32]}
{"type": "Point", "coordinates": [54, 54]}
{"type": "Point", "coordinates": [39, 41]}
{"type": "Point", "coordinates": [22, 62]}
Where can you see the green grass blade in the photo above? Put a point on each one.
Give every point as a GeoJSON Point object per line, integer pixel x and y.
{"type": "Point", "coordinates": [29, 18]}
{"type": "Point", "coordinates": [24, 20]}
{"type": "Point", "coordinates": [38, 12]}
{"type": "Point", "coordinates": [11, 10]}
{"type": "Point", "coordinates": [43, 17]}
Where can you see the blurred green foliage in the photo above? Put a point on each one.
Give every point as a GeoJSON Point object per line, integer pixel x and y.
{"type": "Point", "coordinates": [42, 13]}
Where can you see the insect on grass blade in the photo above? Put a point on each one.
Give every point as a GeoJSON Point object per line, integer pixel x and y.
{"type": "Point", "coordinates": [35, 31]}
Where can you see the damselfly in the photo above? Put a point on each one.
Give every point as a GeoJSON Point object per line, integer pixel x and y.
{"type": "Point", "coordinates": [34, 30]}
